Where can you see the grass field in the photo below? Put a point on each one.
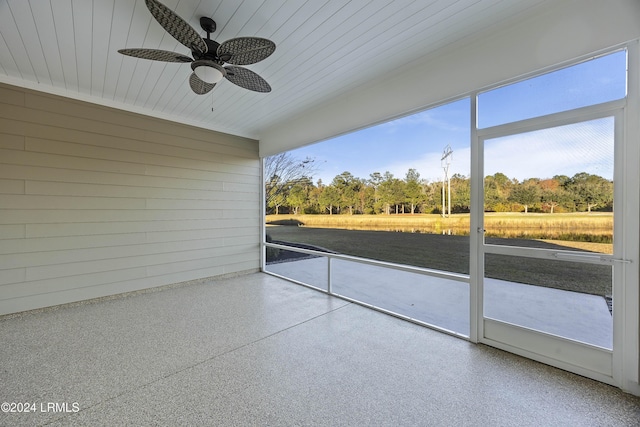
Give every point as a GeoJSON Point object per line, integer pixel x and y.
{"type": "Point", "coordinates": [595, 223]}
{"type": "Point", "coordinates": [451, 253]}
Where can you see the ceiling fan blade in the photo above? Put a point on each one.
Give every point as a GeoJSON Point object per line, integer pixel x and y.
{"type": "Point", "coordinates": [247, 79]}
{"type": "Point", "coordinates": [245, 50]}
{"type": "Point", "coordinates": [176, 26]}
{"type": "Point", "coordinates": [198, 86]}
{"type": "Point", "coordinates": [156, 55]}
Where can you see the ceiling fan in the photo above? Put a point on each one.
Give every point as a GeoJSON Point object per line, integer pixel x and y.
{"type": "Point", "coordinates": [209, 56]}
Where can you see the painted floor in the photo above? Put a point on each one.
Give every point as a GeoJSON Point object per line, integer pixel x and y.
{"type": "Point", "coordinates": [257, 350]}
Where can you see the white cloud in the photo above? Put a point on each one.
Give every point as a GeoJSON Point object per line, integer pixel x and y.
{"type": "Point", "coordinates": [566, 150]}
{"type": "Point", "coordinates": [429, 117]}
{"type": "Point", "coordinates": [429, 165]}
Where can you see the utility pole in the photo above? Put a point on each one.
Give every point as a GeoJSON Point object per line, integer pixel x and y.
{"type": "Point", "coordinates": [447, 156]}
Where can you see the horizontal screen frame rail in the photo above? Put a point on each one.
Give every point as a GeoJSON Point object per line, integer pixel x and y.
{"type": "Point", "coordinates": [541, 253]}
{"type": "Point", "coordinates": [408, 268]}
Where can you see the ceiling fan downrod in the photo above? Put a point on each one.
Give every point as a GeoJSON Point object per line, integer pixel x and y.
{"type": "Point", "coordinates": [209, 26]}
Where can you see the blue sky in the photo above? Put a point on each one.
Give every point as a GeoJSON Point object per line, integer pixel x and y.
{"type": "Point", "coordinates": [410, 142]}
{"type": "Point", "coordinates": [417, 141]}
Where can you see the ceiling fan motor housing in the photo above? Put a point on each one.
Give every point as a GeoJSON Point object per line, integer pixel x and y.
{"type": "Point", "coordinates": [209, 26]}
{"type": "Point", "coordinates": [211, 54]}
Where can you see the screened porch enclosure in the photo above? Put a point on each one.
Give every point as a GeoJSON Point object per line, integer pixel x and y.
{"type": "Point", "coordinates": [562, 158]}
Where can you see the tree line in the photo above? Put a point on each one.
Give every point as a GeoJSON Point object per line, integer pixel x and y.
{"type": "Point", "coordinates": [289, 188]}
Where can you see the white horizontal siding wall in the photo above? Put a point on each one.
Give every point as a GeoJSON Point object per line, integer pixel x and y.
{"type": "Point", "coordinates": [96, 201]}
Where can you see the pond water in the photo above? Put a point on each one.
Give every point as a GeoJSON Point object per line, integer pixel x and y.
{"type": "Point", "coordinates": [597, 235]}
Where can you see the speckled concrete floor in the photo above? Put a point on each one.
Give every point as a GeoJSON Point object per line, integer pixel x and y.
{"type": "Point", "coordinates": [257, 350]}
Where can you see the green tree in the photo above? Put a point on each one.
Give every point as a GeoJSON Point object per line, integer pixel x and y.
{"type": "Point", "coordinates": [281, 171]}
{"type": "Point", "coordinates": [526, 193]}
{"type": "Point", "coordinates": [276, 201]}
{"type": "Point", "coordinates": [367, 198]}
{"type": "Point", "coordinates": [348, 187]}
{"type": "Point", "coordinates": [313, 202]}
{"type": "Point", "coordinates": [375, 179]}
{"type": "Point", "coordinates": [391, 192]}
{"type": "Point", "coordinates": [591, 191]}
{"type": "Point", "coordinates": [329, 199]}
{"type": "Point", "coordinates": [298, 195]}
{"type": "Point", "coordinates": [553, 195]}
{"type": "Point", "coordinates": [414, 195]}
{"type": "Point", "coordinates": [460, 193]}
{"type": "Point", "coordinates": [497, 190]}
{"type": "Point", "coordinates": [364, 196]}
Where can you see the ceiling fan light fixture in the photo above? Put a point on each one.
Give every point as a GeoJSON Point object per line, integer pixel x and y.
{"type": "Point", "coordinates": [208, 71]}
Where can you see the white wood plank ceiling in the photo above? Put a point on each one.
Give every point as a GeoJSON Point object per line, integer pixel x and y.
{"type": "Point", "coordinates": [324, 48]}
